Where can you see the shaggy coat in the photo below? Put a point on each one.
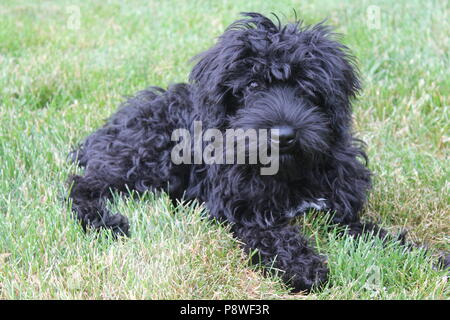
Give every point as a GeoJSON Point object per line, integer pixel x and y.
{"type": "Point", "coordinates": [258, 75]}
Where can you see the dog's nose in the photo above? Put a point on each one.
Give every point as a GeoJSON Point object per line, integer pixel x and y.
{"type": "Point", "coordinates": [286, 136]}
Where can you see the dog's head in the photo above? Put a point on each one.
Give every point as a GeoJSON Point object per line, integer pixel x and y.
{"type": "Point", "coordinates": [297, 79]}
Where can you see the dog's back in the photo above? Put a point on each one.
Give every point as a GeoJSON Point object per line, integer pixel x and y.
{"type": "Point", "coordinates": [132, 152]}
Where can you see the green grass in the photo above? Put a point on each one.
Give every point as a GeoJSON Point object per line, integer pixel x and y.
{"type": "Point", "coordinates": [59, 84]}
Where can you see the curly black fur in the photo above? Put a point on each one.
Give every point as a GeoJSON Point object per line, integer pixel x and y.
{"type": "Point", "coordinates": [257, 75]}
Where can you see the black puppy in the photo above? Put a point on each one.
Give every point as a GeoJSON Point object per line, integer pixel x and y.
{"type": "Point", "coordinates": [259, 75]}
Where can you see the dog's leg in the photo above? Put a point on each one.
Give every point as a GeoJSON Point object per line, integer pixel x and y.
{"type": "Point", "coordinates": [349, 184]}
{"type": "Point", "coordinates": [89, 194]}
{"type": "Point", "coordinates": [350, 219]}
{"type": "Point", "coordinates": [357, 228]}
{"type": "Point", "coordinates": [284, 248]}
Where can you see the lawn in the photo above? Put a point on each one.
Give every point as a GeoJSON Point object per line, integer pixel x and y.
{"type": "Point", "coordinates": [66, 65]}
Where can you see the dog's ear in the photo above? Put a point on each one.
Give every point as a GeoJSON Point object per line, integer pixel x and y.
{"type": "Point", "coordinates": [328, 70]}
{"type": "Point", "coordinates": [211, 70]}
{"type": "Point", "coordinates": [217, 70]}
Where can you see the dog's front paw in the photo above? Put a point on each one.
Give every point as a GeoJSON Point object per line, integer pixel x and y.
{"type": "Point", "coordinates": [118, 224]}
{"type": "Point", "coordinates": [444, 262]}
{"type": "Point", "coordinates": [306, 275]}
